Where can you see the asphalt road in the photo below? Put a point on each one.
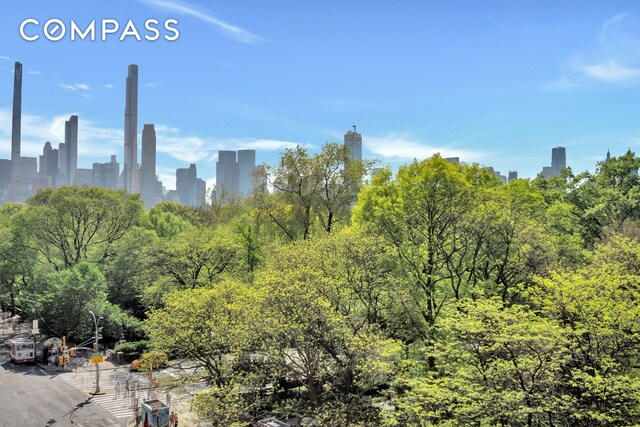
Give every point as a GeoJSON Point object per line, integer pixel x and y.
{"type": "Point", "coordinates": [32, 397]}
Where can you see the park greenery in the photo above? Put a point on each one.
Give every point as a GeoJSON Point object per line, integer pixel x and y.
{"type": "Point", "coordinates": [438, 296]}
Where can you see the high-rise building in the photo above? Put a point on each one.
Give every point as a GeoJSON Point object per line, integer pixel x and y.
{"type": "Point", "coordinates": [513, 175]}
{"type": "Point", "coordinates": [228, 173]}
{"type": "Point", "coordinates": [148, 166]}
{"type": "Point", "coordinates": [558, 159]}
{"type": "Point", "coordinates": [83, 177]}
{"type": "Point", "coordinates": [353, 141]}
{"type": "Point", "coordinates": [201, 192]}
{"type": "Point", "coordinates": [49, 165]}
{"type": "Point", "coordinates": [186, 185]}
{"type": "Point", "coordinates": [130, 167]}
{"type": "Point", "coordinates": [17, 114]}
{"type": "Point", "coordinates": [5, 175]}
{"type": "Point", "coordinates": [558, 162]}
{"type": "Point", "coordinates": [71, 141]}
{"type": "Point", "coordinates": [497, 174]}
{"type": "Point", "coordinates": [246, 168]}
{"type": "Point", "coordinates": [62, 165]}
{"type": "Point", "coordinates": [25, 177]}
{"type": "Point", "coordinates": [106, 174]}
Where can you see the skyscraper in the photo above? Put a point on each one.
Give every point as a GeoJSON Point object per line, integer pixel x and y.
{"type": "Point", "coordinates": [558, 159]}
{"type": "Point", "coordinates": [513, 175]}
{"type": "Point", "coordinates": [228, 172]}
{"type": "Point", "coordinates": [5, 176]}
{"type": "Point", "coordinates": [558, 162]}
{"type": "Point", "coordinates": [246, 167]}
{"type": "Point", "coordinates": [130, 168]}
{"type": "Point", "coordinates": [62, 165]}
{"type": "Point", "coordinates": [201, 192]}
{"type": "Point", "coordinates": [71, 141]}
{"type": "Point", "coordinates": [148, 166]}
{"type": "Point", "coordinates": [353, 141]}
{"type": "Point", "coordinates": [186, 186]}
{"type": "Point", "coordinates": [106, 174]}
{"type": "Point", "coordinates": [49, 165]}
{"type": "Point", "coordinates": [17, 112]}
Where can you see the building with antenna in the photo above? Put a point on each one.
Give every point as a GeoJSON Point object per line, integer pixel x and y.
{"type": "Point", "coordinates": [353, 141]}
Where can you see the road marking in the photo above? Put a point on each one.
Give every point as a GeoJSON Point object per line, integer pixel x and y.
{"type": "Point", "coordinates": [112, 401]}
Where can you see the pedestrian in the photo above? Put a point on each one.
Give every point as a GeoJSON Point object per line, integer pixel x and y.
{"type": "Point", "coordinates": [175, 424]}
{"type": "Point", "coordinates": [172, 419]}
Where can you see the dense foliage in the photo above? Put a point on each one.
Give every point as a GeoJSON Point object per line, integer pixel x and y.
{"type": "Point", "coordinates": [435, 297]}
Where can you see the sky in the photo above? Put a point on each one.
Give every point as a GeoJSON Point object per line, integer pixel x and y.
{"type": "Point", "coordinates": [495, 82]}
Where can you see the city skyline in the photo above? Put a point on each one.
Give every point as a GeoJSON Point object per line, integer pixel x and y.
{"type": "Point", "coordinates": [410, 97]}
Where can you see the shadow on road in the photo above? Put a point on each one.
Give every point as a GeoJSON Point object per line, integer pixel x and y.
{"type": "Point", "coordinates": [25, 369]}
{"type": "Point", "coordinates": [78, 407]}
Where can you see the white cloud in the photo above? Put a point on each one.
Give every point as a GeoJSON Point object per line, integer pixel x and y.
{"type": "Point", "coordinates": [189, 149]}
{"type": "Point", "coordinates": [151, 84]}
{"type": "Point", "coordinates": [167, 176]}
{"type": "Point", "coordinates": [74, 87]}
{"type": "Point", "coordinates": [35, 73]}
{"type": "Point", "coordinates": [267, 144]}
{"type": "Point", "coordinates": [5, 58]}
{"type": "Point", "coordinates": [94, 140]}
{"type": "Point", "coordinates": [613, 58]}
{"type": "Point", "coordinates": [606, 26]}
{"type": "Point", "coordinates": [403, 147]}
{"type": "Point", "coordinates": [611, 71]}
{"type": "Point", "coordinates": [193, 148]}
{"type": "Point", "coordinates": [230, 31]}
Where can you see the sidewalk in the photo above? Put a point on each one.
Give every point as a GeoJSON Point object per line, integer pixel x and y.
{"type": "Point", "coordinates": [88, 367]}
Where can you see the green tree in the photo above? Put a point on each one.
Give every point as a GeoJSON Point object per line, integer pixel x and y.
{"type": "Point", "coordinates": [497, 365]}
{"type": "Point", "coordinates": [69, 295]}
{"type": "Point", "coordinates": [74, 224]}
{"type": "Point", "coordinates": [197, 257]}
{"type": "Point", "coordinates": [295, 186]}
{"type": "Point", "coordinates": [17, 266]}
{"type": "Point", "coordinates": [167, 224]}
{"type": "Point", "coordinates": [419, 213]}
{"type": "Point", "coordinates": [208, 325]}
{"type": "Point", "coordinates": [326, 301]}
{"type": "Point", "coordinates": [598, 305]}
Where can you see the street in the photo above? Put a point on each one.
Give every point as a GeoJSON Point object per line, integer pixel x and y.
{"type": "Point", "coordinates": [29, 396]}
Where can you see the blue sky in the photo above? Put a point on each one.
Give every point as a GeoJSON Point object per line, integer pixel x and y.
{"type": "Point", "coordinates": [496, 82]}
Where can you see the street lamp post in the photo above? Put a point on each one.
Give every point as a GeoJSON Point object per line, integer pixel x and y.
{"type": "Point", "coordinates": [95, 322]}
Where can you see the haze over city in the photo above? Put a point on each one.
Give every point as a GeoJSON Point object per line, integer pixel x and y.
{"type": "Point", "coordinates": [493, 83]}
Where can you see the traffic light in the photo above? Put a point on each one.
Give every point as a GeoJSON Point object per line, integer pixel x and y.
{"type": "Point", "coordinates": [64, 359]}
{"type": "Point", "coordinates": [72, 352]}
{"type": "Point", "coordinates": [64, 341]}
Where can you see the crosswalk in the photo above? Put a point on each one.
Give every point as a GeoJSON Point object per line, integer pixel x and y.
{"type": "Point", "coordinates": [116, 400]}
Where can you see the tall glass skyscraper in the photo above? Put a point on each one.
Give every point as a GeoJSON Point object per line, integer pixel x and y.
{"type": "Point", "coordinates": [353, 141]}
{"type": "Point", "coordinates": [148, 166]}
{"type": "Point", "coordinates": [130, 169]}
